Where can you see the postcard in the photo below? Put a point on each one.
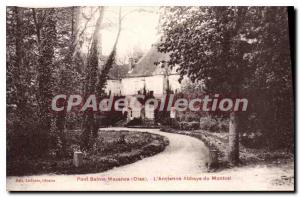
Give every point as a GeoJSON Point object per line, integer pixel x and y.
{"type": "Point", "coordinates": [166, 98]}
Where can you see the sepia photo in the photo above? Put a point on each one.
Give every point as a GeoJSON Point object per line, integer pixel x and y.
{"type": "Point", "coordinates": [169, 98]}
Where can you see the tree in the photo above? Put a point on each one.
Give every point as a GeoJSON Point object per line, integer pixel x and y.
{"type": "Point", "coordinates": [68, 72]}
{"type": "Point", "coordinates": [222, 46]}
{"type": "Point", "coordinates": [103, 74]}
{"type": "Point", "coordinates": [46, 40]}
{"type": "Point", "coordinates": [89, 126]}
{"type": "Point", "coordinates": [40, 63]}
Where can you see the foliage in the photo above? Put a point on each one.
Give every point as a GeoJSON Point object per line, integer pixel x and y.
{"type": "Point", "coordinates": [39, 65]}
{"type": "Point", "coordinates": [109, 151]}
{"type": "Point", "coordinates": [89, 120]}
{"type": "Point", "coordinates": [238, 52]}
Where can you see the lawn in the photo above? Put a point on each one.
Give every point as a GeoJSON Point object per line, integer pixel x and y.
{"type": "Point", "coordinates": [111, 149]}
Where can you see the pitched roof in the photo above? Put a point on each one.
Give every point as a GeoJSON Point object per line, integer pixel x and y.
{"type": "Point", "coordinates": [147, 66]}
{"type": "Point", "coordinates": [118, 71]}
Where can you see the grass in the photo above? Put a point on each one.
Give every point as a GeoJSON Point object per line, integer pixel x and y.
{"type": "Point", "coordinates": [218, 141]}
{"type": "Point", "coordinates": [111, 149]}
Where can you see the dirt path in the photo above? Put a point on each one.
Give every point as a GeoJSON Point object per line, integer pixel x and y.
{"type": "Point", "coordinates": [181, 166]}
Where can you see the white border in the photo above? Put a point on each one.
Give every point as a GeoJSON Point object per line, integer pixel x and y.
{"type": "Point", "coordinates": [60, 3]}
{"type": "Point", "coordinates": [148, 2]}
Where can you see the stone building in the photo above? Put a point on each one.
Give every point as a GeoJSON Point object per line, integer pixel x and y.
{"type": "Point", "coordinates": [146, 74]}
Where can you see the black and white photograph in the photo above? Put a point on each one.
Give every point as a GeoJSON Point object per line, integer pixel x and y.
{"type": "Point", "coordinates": [150, 98]}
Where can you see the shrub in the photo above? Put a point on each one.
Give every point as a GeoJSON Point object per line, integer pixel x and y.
{"type": "Point", "coordinates": [214, 124]}
{"type": "Point", "coordinates": [134, 122]}
{"type": "Point", "coordinates": [253, 139]}
{"type": "Point", "coordinates": [113, 148]}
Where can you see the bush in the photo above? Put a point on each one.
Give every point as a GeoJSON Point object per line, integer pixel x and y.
{"type": "Point", "coordinates": [189, 125]}
{"type": "Point", "coordinates": [110, 149]}
{"type": "Point", "coordinates": [253, 140]}
{"type": "Point", "coordinates": [162, 117]}
{"type": "Point", "coordinates": [134, 122]}
{"type": "Point", "coordinates": [214, 124]}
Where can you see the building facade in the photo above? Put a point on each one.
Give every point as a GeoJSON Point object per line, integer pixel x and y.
{"type": "Point", "coordinates": [148, 74]}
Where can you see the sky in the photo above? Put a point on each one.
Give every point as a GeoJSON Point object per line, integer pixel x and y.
{"type": "Point", "coordinates": [139, 29]}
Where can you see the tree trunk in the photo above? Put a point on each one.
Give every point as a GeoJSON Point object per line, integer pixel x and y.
{"type": "Point", "coordinates": [103, 75]}
{"type": "Point", "coordinates": [19, 62]}
{"type": "Point", "coordinates": [233, 144]}
{"type": "Point", "coordinates": [89, 126]}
